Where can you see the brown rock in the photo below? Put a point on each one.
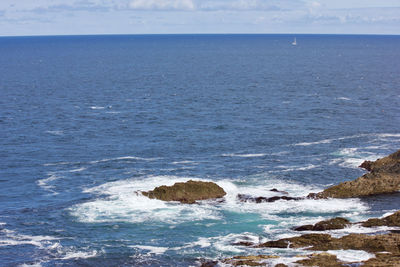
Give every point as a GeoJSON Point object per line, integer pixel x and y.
{"type": "Point", "coordinates": [383, 178]}
{"type": "Point", "coordinates": [249, 260]}
{"type": "Point", "coordinates": [383, 260]}
{"type": "Point", "coordinates": [247, 198]}
{"type": "Point", "coordinates": [370, 243]}
{"type": "Point", "coordinates": [187, 192]}
{"type": "Point", "coordinates": [331, 224]}
{"type": "Point", "coordinates": [321, 259]}
{"type": "Point", "coordinates": [391, 220]}
{"type": "Point", "coordinates": [298, 241]}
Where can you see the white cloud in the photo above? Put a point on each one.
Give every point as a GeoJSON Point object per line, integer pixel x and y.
{"type": "Point", "coordinates": [162, 4]}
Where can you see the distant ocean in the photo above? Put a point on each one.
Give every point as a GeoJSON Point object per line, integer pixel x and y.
{"type": "Point", "coordinates": [86, 121]}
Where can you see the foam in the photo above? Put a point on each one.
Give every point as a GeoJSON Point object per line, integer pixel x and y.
{"type": "Point", "coordinates": [55, 132]}
{"type": "Point", "coordinates": [122, 158]}
{"type": "Point", "coordinates": [119, 202]}
{"type": "Point", "coordinates": [294, 168]}
{"type": "Point", "coordinates": [97, 107]}
{"type": "Point", "coordinates": [343, 98]}
{"type": "Point", "coordinates": [353, 157]}
{"type": "Point", "coordinates": [124, 204]}
{"type": "Point", "coordinates": [244, 155]}
{"type": "Point", "coordinates": [152, 249]}
{"type": "Point", "coordinates": [31, 265]}
{"type": "Point", "coordinates": [79, 255]}
{"type": "Point", "coordinates": [78, 169]}
{"type": "Point", "coordinates": [351, 255]}
{"type": "Point", "coordinates": [330, 140]}
{"type": "Point", "coordinates": [44, 183]}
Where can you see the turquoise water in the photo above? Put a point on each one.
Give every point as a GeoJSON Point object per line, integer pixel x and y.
{"type": "Point", "coordinates": [88, 121]}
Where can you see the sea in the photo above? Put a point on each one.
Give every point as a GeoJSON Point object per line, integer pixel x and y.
{"type": "Point", "coordinates": [88, 122]}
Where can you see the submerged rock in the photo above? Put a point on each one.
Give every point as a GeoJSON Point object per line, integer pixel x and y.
{"type": "Point", "coordinates": [187, 192]}
{"type": "Point", "coordinates": [384, 177]}
{"type": "Point", "coordinates": [391, 220]}
{"type": "Point", "coordinates": [331, 224]}
{"type": "Point", "coordinates": [247, 198]}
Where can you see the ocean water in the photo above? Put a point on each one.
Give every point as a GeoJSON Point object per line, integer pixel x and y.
{"type": "Point", "coordinates": [88, 121]}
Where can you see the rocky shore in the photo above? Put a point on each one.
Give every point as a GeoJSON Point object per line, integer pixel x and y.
{"type": "Point", "coordinates": [383, 177]}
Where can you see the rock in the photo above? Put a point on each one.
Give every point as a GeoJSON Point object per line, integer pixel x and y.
{"type": "Point", "coordinates": [243, 243]}
{"type": "Point", "coordinates": [247, 198]}
{"type": "Point", "coordinates": [209, 264]}
{"type": "Point", "coordinates": [322, 259]}
{"type": "Point", "coordinates": [249, 260]}
{"type": "Point", "coordinates": [383, 178]}
{"type": "Point", "coordinates": [298, 241]}
{"type": "Point", "coordinates": [332, 224]}
{"type": "Point", "coordinates": [276, 190]}
{"type": "Point", "coordinates": [391, 220]}
{"type": "Point", "coordinates": [383, 260]}
{"type": "Point", "coordinates": [187, 192]}
{"type": "Point", "coordinates": [370, 243]}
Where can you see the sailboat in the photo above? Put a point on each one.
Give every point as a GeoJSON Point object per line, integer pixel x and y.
{"type": "Point", "coordinates": [294, 42]}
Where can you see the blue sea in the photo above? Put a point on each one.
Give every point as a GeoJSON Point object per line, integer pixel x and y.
{"type": "Point", "coordinates": [87, 122]}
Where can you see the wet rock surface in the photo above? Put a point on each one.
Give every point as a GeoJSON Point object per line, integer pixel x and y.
{"type": "Point", "coordinates": [249, 260]}
{"type": "Point", "coordinates": [332, 224]}
{"type": "Point", "coordinates": [370, 243]}
{"type": "Point", "coordinates": [251, 199]}
{"type": "Point", "coordinates": [384, 177]}
{"type": "Point", "coordinates": [391, 220]}
{"type": "Point", "coordinates": [188, 192]}
{"type": "Point", "coordinates": [322, 259]}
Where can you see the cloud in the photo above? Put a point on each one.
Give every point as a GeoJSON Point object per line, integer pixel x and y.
{"type": "Point", "coordinates": [162, 5]}
{"type": "Point", "coordinates": [215, 5]}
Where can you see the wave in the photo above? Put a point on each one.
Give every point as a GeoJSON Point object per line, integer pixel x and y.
{"type": "Point", "coordinates": [99, 161]}
{"type": "Point", "coordinates": [44, 183]}
{"type": "Point", "coordinates": [330, 140]}
{"type": "Point", "coordinates": [97, 107]}
{"type": "Point", "coordinates": [351, 255]}
{"type": "Point", "coordinates": [55, 132]}
{"type": "Point", "coordinates": [119, 202]}
{"type": "Point", "coordinates": [49, 244]}
{"type": "Point", "coordinates": [343, 98]}
{"type": "Point", "coordinates": [353, 157]}
{"type": "Point", "coordinates": [244, 155]}
{"type": "Point", "coordinates": [152, 249]}
{"type": "Point", "coordinates": [293, 168]}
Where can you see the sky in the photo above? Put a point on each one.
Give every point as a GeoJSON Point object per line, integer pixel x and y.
{"type": "Point", "coordinates": [75, 17]}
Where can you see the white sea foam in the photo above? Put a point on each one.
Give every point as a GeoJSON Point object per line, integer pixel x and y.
{"type": "Point", "coordinates": [55, 132]}
{"type": "Point", "coordinates": [343, 98]}
{"type": "Point", "coordinates": [184, 162]}
{"type": "Point", "coordinates": [330, 140]}
{"type": "Point", "coordinates": [353, 157]}
{"type": "Point", "coordinates": [152, 249]}
{"type": "Point", "coordinates": [97, 107]}
{"type": "Point", "coordinates": [122, 158]}
{"type": "Point", "coordinates": [294, 168]}
{"type": "Point", "coordinates": [11, 238]}
{"type": "Point", "coordinates": [124, 203]}
{"type": "Point", "coordinates": [44, 183]}
{"type": "Point", "coordinates": [79, 255]}
{"type": "Point", "coordinates": [351, 255]}
{"type": "Point", "coordinates": [120, 202]}
{"type": "Point", "coordinates": [36, 264]}
{"type": "Point", "coordinates": [244, 155]}
{"type": "Point", "coordinates": [78, 169]}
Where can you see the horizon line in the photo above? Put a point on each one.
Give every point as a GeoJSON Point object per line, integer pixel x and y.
{"type": "Point", "coordinates": [165, 34]}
